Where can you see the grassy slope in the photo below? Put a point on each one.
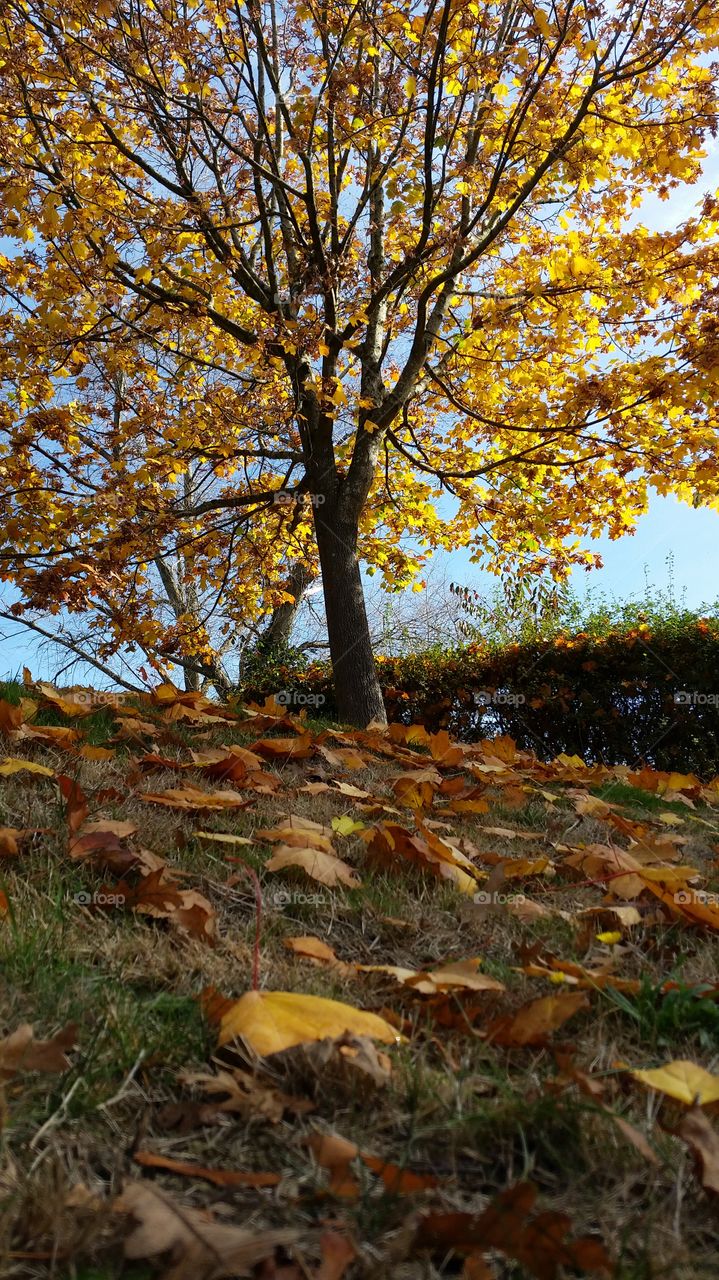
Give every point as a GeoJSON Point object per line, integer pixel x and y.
{"type": "Point", "coordinates": [475, 1115]}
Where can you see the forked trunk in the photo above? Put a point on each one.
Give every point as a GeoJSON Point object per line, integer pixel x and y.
{"type": "Point", "coordinates": [357, 690]}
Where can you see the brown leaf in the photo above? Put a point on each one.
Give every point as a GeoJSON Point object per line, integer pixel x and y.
{"type": "Point", "coordinates": [20, 1051]}
{"type": "Point", "coordinates": [76, 808]}
{"type": "Point", "coordinates": [199, 1247]}
{"type": "Point", "coordinates": [157, 895]}
{"type": "Point", "coordinates": [390, 843]}
{"type": "Point", "coordinates": [299, 833]}
{"type": "Point", "coordinates": [326, 868]}
{"type": "Point", "coordinates": [336, 1154]}
{"type": "Point", "coordinates": [219, 1177]}
{"type": "Point", "coordinates": [237, 1092]}
{"type": "Point", "coordinates": [9, 837]}
{"type": "Point", "coordinates": [416, 790]}
{"type": "Point", "coordinates": [298, 748]}
{"type": "Point", "coordinates": [703, 1142]}
{"type": "Point", "coordinates": [191, 797]}
{"type": "Point", "coordinates": [637, 1139]}
{"type": "Point", "coordinates": [337, 1254]}
{"type": "Point", "coordinates": [534, 1022]}
{"type": "Point", "coordinates": [311, 948]}
{"type": "Point", "coordinates": [11, 717]}
{"type": "Point", "coordinates": [538, 1242]}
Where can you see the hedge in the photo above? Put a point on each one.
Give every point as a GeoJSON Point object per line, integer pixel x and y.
{"type": "Point", "coordinates": [642, 694]}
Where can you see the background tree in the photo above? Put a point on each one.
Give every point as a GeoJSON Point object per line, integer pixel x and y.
{"type": "Point", "coordinates": [402, 241]}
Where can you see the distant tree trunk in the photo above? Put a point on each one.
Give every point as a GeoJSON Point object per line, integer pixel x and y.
{"type": "Point", "coordinates": [357, 689]}
{"type": "Point", "coordinates": [278, 631]}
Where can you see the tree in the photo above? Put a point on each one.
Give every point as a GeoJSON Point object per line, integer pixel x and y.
{"type": "Point", "coordinates": [149, 590]}
{"type": "Point", "coordinates": [394, 247]}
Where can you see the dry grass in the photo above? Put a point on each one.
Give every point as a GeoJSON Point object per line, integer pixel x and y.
{"type": "Point", "coordinates": [476, 1116]}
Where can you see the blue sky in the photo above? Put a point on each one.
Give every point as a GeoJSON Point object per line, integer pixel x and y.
{"type": "Point", "coordinates": [674, 544]}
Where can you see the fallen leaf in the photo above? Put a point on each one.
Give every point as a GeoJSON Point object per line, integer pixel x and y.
{"type": "Point", "coordinates": [298, 748]}
{"type": "Point", "coordinates": [270, 1021]}
{"type": "Point", "coordinates": [703, 1142]}
{"type": "Point", "coordinates": [76, 807]}
{"type": "Point", "coordinates": [683, 1080]}
{"type": "Point", "coordinates": [313, 949]}
{"type": "Point", "coordinates": [219, 1177]}
{"type": "Point", "coordinates": [337, 1253]}
{"type": "Point", "coordinates": [200, 1248]}
{"type": "Point", "coordinates": [534, 1022]}
{"type": "Point", "coordinates": [9, 837]}
{"type": "Point", "coordinates": [190, 797]}
{"type": "Point", "coordinates": [537, 1242]}
{"type": "Point", "coordinates": [20, 1051]}
{"type": "Point", "coordinates": [336, 1154]}
{"type": "Point", "coordinates": [11, 764]}
{"type": "Point", "coordinates": [234, 1091]}
{"type": "Point", "coordinates": [324, 867]}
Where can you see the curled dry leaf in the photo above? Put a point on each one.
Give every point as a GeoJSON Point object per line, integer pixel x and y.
{"type": "Point", "coordinates": [703, 1142]}
{"type": "Point", "coordinates": [270, 1021]}
{"type": "Point", "coordinates": [463, 975]}
{"type": "Point", "coordinates": [534, 1022]}
{"type": "Point", "coordinates": [298, 748]}
{"type": "Point", "coordinates": [336, 1155]}
{"type": "Point", "coordinates": [156, 894]}
{"type": "Point", "coordinates": [314, 949]}
{"type": "Point", "coordinates": [538, 1242]}
{"type": "Point", "coordinates": [390, 843]}
{"type": "Point", "coordinates": [190, 797]}
{"type": "Point", "coordinates": [9, 837]}
{"type": "Point", "coordinates": [298, 834]}
{"type": "Point", "coordinates": [237, 1092]}
{"type": "Point", "coordinates": [199, 1247]}
{"type": "Point", "coordinates": [324, 867]}
{"type": "Point", "coordinates": [337, 1254]}
{"type": "Point", "coordinates": [218, 1177]}
{"type": "Point", "coordinates": [21, 1052]}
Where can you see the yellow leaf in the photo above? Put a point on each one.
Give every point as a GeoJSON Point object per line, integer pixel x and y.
{"type": "Point", "coordinates": [609, 938]}
{"type": "Point", "coordinates": [11, 764]}
{"type": "Point", "coordinates": [410, 86]}
{"type": "Point", "coordinates": [345, 826]}
{"type": "Point", "coordinates": [270, 1021]}
{"type": "Point", "coordinates": [684, 1080]}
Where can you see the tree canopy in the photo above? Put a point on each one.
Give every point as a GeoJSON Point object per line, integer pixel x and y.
{"type": "Point", "coordinates": [298, 283]}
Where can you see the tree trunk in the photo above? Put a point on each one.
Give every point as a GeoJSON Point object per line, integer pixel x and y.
{"type": "Point", "coordinates": [357, 689]}
{"type": "Point", "coordinates": [278, 631]}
